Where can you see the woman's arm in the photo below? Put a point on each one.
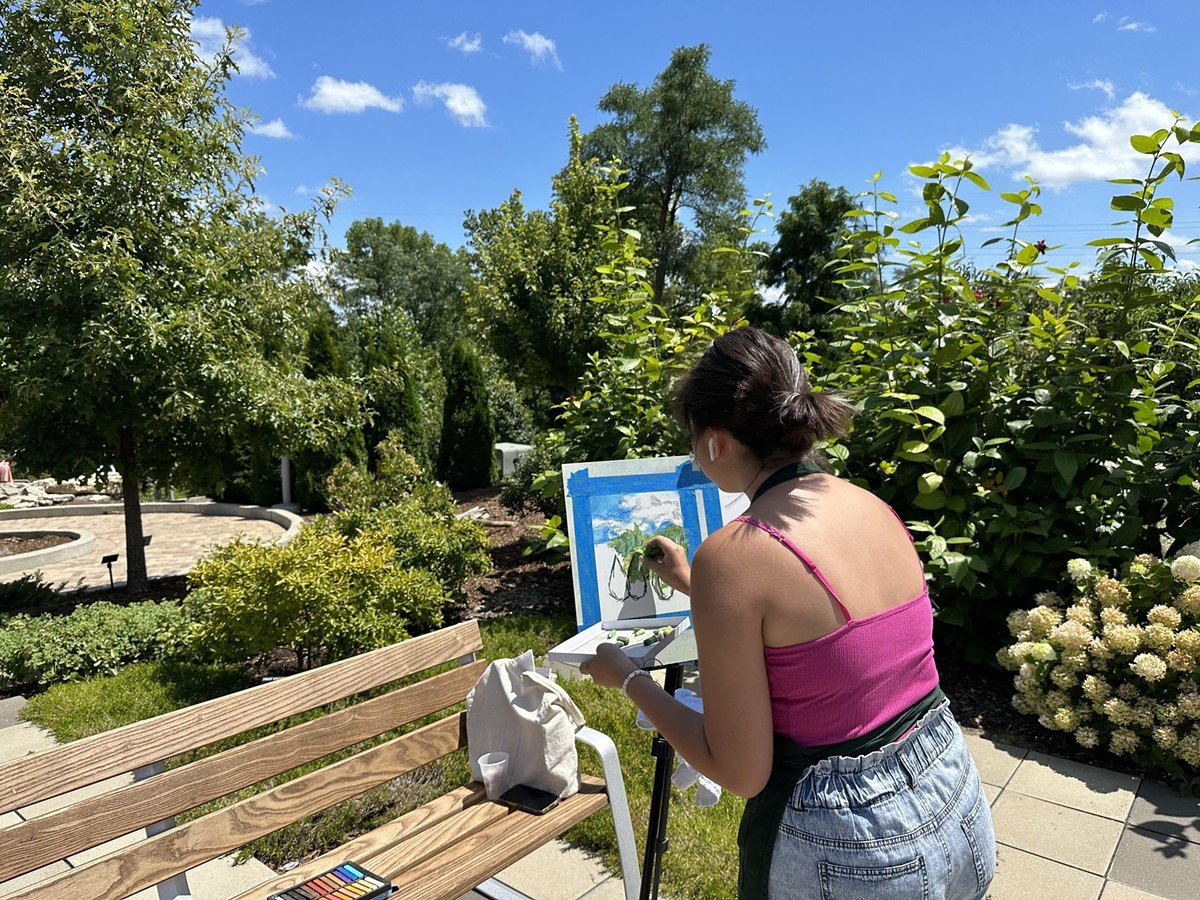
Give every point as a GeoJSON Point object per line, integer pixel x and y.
{"type": "Point", "coordinates": [731, 742]}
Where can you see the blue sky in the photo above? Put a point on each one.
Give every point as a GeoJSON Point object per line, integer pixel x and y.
{"type": "Point", "coordinates": [429, 109]}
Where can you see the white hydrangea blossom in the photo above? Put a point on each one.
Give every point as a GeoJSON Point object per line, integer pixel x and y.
{"type": "Point", "coordinates": [1188, 602]}
{"type": "Point", "coordinates": [1188, 749]}
{"type": "Point", "coordinates": [1042, 620]}
{"type": "Point", "coordinates": [1181, 661]}
{"type": "Point", "coordinates": [1087, 737]}
{"type": "Point", "coordinates": [1158, 637]}
{"type": "Point", "coordinates": [1112, 616]}
{"type": "Point", "coordinates": [1165, 616]}
{"type": "Point", "coordinates": [1168, 714]}
{"type": "Point", "coordinates": [1192, 549]}
{"type": "Point", "coordinates": [1070, 636]}
{"type": "Point", "coordinates": [1042, 652]}
{"type": "Point", "coordinates": [1111, 592]}
{"type": "Point", "coordinates": [1082, 614]}
{"type": "Point", "coordinates": [1165, 736]}
{"type": "Point", "coordinates": [1117, 711]}
{"type": "Point", "coordinates": [1149, 666]}
{"type": "Point", "coordinates": [1189, 705]}
{"type": "Point", "coordinates": [1143, 713]}
{"type": "Point", "coordinates": [1017, 620]}
{"type": "Point", "coordinates": [1074, 660]}
{"type": "Point", "coordinates": [1123, 741]}
{"type": "Point", "coordinates": [1128, 691]}
{"type": "Point", "coordinates": [1096, 688]}
{"type": "Point", "coordinates": [1079, 570]}
{"type": "Point", "coordinates": [1186, 569]}
{"type": "Point", "coordinates": [1124, 639]}
{"type": "Point", "coordinates": [1188, 641]}
{"type": "Point", "coordinates": [1047, 598]}
{"type": "Point", "coordinates": [1064, 678]}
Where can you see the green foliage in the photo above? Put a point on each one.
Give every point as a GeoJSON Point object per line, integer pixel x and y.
{"type": "Point", "coordinates": [324, 596]}
{"type": "Point", "coordinates": [801, 262]}
{"type": "Point", "coordinates": [525, 489]}
{"type": "Point", "coordinates": [468, 456]}
{"type": "Point", "coordinates": [397, 475]}
{"type": "Point", "coordinates": [126, 198]}
{"type": "Point", "coordinates": [534, 273]}
{"type": "Point", "coordinates": [512, 415]}
{"type": "Point", "coordinates": [394, 267]}
{"type": "Point", "coordinates": [27, 592]}
{"type": "Point", "coordinates": [97, 639]}
{"type": "Point", "coordinates": [1019, 416]}
{"type": "Point", "coordinates": [684, 141]}
{"type": "Point", "coordinates": [140, 691]}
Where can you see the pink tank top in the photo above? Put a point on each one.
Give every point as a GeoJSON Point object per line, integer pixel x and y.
{"type": "Point", "coordinates": [856, 678]}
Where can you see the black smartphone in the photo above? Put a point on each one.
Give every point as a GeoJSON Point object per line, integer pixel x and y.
{"type": "Point", "coordinates": [529, 799]}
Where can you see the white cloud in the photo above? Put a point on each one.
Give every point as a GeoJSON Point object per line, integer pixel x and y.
{"type": "Point", "coordinates": [461, 100]}
{"type": "Point", "coordinates": [1099, 17]}
{"type": "Point", "coordinates": [1096, 84]}
{"type": "Point", "coordinates": [466, 44]}
{"type": "Point", "coordinates": [331, 95]}
{"type": "Point", "coordinates": [273, 129]}
{"type": "Point", "coordinates": [209, 35]}
{"type": "Point", "coordinates": [1101, 152]}
{"type": "Point", "coordinates": [540, 48]}
{"type": "Point", "coordinates": [303, 190]}
{"type": "Point", "coordinates": [1128, 24]}
{"type": "Point", "coordinates": [1185, 89]}
{"type": "Point", "coordinates": [653, 508]}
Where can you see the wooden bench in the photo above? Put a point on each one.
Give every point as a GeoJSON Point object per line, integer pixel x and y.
{"type": "Point", "coordinates": [440, 850]}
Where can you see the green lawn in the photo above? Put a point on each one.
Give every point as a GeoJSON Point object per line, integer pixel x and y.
{"type": "Point", "coordinates": [701, 862]}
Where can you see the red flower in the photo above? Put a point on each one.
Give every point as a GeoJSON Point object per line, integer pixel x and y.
{"type": "Point", "coordinates": [979, 295]}
{"type": "Point", "coordinates": [1041, 246]}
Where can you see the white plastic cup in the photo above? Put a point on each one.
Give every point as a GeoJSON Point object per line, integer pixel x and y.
{"type": "Point", "coordinates": [493, 767]}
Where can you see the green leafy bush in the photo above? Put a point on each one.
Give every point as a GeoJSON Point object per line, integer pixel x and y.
{"type": "Point", "coordinates": [397, 474]}
{"type": "Point", "coordinates": [1115, 664]}
{"type": "Point", "coordinates": [526, 489]}
{"type": "Point", "coordinates": [26, 592]}
{"type": "Point", "coordinates": [1022, 415]}
{"type": "Point", "coordinates": [323, 595]}
{"type": "Point", "coordinates": [97, 639]}
{"type": "Point", "coordinates": [468, 449]}
{"type": "Point", "coordinates": [514, 421]}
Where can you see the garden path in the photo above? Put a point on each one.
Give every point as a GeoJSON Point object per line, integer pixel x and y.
{"type": "Point", "coordinates": [178, 540]}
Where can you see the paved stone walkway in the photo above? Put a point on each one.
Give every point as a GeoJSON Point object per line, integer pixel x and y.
{"type": "Point", "coordinates": [178, 540]}
{"type": "Point", "coordinates": [1064, 829]}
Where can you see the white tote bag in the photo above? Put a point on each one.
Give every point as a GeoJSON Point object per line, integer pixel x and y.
{"type": "Point", "coordinates": [516, 710]}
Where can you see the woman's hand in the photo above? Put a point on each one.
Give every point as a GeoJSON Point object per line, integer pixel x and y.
{"type": "Point", "coordinates": [609, 666]}
{"type": "Point", "coordinates": [668, 561]}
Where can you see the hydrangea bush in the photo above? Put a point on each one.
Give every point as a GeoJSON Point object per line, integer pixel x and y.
{"type": "Point", "coordinates": [1116, 664]}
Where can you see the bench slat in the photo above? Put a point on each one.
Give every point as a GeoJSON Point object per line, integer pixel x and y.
{"type": "Point", "coordinates": [61, 769]}
{"type": "Point", "coordinates": [144, 864]}
{"type": "Point", "coordinates": [490, 850]}
{"type": "Point", "coordinates": [93, 821]}
{"type": "Point", "coordinates": [365, 846]}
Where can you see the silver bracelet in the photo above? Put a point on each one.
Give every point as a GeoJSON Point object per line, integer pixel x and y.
{"type": "Point", "coordinates": [628, 678]}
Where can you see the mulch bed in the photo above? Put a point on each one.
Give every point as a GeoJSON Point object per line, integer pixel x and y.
{"type": "Point", "coordinates": [11, 546]}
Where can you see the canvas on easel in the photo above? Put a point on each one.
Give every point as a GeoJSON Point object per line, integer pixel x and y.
{"type": "Point", "coordinates": [614, 508]}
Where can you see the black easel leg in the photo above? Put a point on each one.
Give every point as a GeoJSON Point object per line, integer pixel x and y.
{"type": "Point", "coordinates": [660, 800]}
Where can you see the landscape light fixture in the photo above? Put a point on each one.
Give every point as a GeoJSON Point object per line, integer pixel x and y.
{"type": "Point", "coordinates": [108, 561]}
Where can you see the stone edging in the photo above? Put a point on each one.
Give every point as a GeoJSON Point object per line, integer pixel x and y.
{"type": "Point", "coordinates": [288, 520]}
{"type": "Point", "coordinates": [80, 546]}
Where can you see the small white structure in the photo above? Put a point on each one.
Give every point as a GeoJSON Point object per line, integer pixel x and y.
{"type": "Point", "coordinates": [508, 455]}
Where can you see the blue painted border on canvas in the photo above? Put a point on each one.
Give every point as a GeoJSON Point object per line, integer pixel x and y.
{"type": "Point", "coordinates": [582, 487]}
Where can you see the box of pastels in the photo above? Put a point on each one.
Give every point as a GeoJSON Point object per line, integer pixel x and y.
{"type": "Point", "coordinates": [349, 881]}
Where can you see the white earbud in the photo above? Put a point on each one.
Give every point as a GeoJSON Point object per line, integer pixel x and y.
{"type": "Point", "coordinates": [712, 450]}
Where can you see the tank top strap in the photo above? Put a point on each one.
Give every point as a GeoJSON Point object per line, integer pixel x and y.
{"type": "Point", "coordinates": [787, 542]}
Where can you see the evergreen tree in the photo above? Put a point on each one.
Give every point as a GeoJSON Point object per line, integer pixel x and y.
{"type": "Point", "coordinates": [467, 458]}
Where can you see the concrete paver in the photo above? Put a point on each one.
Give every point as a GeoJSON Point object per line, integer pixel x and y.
{"type": "Point", "coordinates": [22, 739]}
{"type": "Point", "coordinates": [1161, 810]}
{"type": "Point", "coordinates": [1163, 865]}
{"type": "Point", "coordinates": [1114, 890]}
{"type": "Point", "coordinates": [995, 761]}
{"type": "Point", "coordinates": [555, 871]}
{"type": "Point", "coordinates": [1072, 837]}
{"type": "Point", "coordinates": [1101, 792]}
{"type": "Point", "coordinates": [10, 707]}
{"type": "Point", "coordinates": [178, 541]}
{"type": "Point", "coordinates": [1021, 876]}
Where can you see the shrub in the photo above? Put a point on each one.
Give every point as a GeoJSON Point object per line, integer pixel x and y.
{"type": "Point", "coordinates": [27, 591]}
{"type": "Point", "coordinates": [1115, 664]}
{"type": "Point", "coordinates": [397, 474]}
{"type": "Point", "coordinates": [514, 421]}
{"type": "Point", "coordinates": [468, 448]}
{"type": "Point", "coordinates": [311, 468]}
{"type": "Point", "coordinates": [526, 488]}
{"type": "Point", "coordinates": [324, 596]}
{"type": "Point", "coordinates": [97, 639]}
{"type": "Point", "coordinates": [1019, 416]}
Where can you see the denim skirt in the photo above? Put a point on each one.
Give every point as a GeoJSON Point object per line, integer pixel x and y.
{"type": "Point", "coordinates": [909, 820]}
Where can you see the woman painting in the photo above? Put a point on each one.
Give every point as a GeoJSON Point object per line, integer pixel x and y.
{"type": "Point", "coordinates": [813, 630]}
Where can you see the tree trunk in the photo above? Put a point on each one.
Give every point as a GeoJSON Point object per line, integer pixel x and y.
{"type": "Point", "coordinates": [136, 578]}
{"type": "Point", "coordinates": [666, 217]}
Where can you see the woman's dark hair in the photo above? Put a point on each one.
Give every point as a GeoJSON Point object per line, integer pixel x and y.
{"type": "Point", "coordinates": [751, 383]}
